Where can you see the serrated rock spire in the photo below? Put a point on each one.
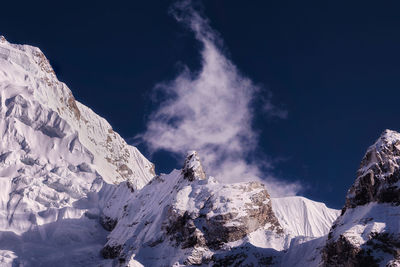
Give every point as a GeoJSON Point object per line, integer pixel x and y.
{"type": "Point", "coordinates": [192, 168]}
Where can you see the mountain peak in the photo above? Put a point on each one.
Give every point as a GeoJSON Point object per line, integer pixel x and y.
{"type": "Point", "coordinates": [2, 39]}
{"type": "Point", "coordinates": [366, 233]}
{"type": "Point", "coordinates": [387, 137]}
{"type": "Point", "coordinates": [192, 168]}
{"type": "Point", "coordinates": [379, 173]}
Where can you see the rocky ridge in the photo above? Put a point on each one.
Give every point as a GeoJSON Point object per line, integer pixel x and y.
{"type": "Point", "coordinates": [368, 233]}
{"type": "Point", "coordinates": [379, 174]}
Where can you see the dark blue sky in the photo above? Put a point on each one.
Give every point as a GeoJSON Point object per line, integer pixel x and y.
{"type": "Point", "coordinates": [333, 65]}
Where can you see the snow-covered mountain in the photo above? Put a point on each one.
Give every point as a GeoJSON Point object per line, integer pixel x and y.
{"type": "Point", "coordinates": [368, 231]}
{"type": "Point", "coordinates": [74, 193]}
{"type": "Point", "coordinates": [54, 154]}
{"type": "Point", "coordinates": [184, 217]}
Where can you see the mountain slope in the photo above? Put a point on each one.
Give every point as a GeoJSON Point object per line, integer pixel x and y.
{"type": "Point", "coordinates": [58, 159]}
{"type": "Point", "coordinates": [303, 217]}
{"type": "Point", "coordinates": [31, 94]}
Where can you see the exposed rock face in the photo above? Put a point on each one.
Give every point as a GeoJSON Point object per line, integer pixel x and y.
{"type": "Point", "coordinates": [109, 252]}
{"type": "Point", "coordinates": [379, 173]}
{"type": "Point", "coordinates": [192, 168]}
{"type": "Point", "coordinates": [219, 228]}
{"type": "Point", "coordinates": [108, 223]}
{"type": "Point", "coordinates": [344, 253]}
{"type": "Point", "coordinates": [368, 233]}
{"type": "Point", "coordinates": [199, 217]}
{"type": "Point", "coordinates": [245, 256]}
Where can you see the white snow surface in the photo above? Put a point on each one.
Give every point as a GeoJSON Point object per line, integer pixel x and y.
{"type": "Point", "coordinates": [300, 216]}
{"type": "Point", "coordinates": [305, 253]}
{"type": "Point", "coordinates": [357, 224]}
{"type": "Point", "coordinates": [360, 224]}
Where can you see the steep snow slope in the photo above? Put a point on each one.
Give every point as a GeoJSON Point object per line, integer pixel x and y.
{"type": "Point", "coordinates": [31, 94]}
{"type": "Point", "coordinates": [306, 224]}
{"type": "Point", "coordinates": [57, 161]}
{"type": "Point", "coordinates": [300, 216]}
{"type": "Point", "coordinates": [304, 253]}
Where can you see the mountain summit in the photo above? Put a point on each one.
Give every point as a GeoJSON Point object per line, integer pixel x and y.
{"type": "Point", "coordinates": [368, 231]}
{"type": "Point", "coordinates": [192, 168]}
{"type": "Point", "coordinates": [379, 173]}
{"type": "Point", "coordinates": [54, 154]}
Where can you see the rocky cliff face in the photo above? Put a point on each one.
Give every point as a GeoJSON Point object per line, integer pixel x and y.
{"type": "Point", "coordinates": [379, 174]}
{"type": "Point", "coordinates": [368, 231]}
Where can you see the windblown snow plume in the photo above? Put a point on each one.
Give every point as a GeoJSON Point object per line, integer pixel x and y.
{"type": "Point", "coordinates": [210, 111]}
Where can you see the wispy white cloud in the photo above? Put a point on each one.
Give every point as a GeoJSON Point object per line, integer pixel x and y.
{"type": "Point", "coordinates": [210, 111]}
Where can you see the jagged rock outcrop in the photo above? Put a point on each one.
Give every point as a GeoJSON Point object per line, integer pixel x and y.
{"type": "Point", "coordinates": [368, 231]}
{"type": "Point", "coordinates": [192, 168]}
{"type": "Point", "coordinates": [379, 174]}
